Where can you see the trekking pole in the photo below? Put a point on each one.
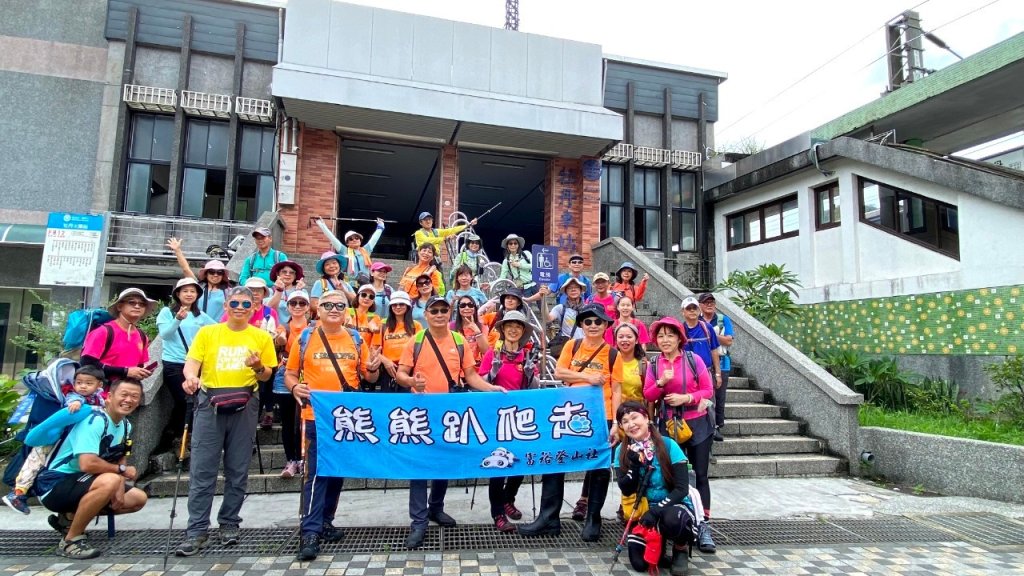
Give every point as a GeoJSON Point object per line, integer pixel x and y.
{"type": "Point", "coordinates": [533, 493]}
{"type": "Point", "coordinates": [473, 499]}
{"type": "Point", "coordinates": [488, 211]}
{"type": "Point", "coordinates": [177, 482]}
{"type": "Point", "coordinates": [644, 480]}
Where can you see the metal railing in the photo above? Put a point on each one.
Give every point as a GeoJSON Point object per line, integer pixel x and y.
{"type": "Point", "coordinates": [150, 98]}
{"type": "Point", "coordinates": [254, 109]}
{"type": "Point", "coordinates": [203, 104]}
{"type": "Point", "coordinates": [146, 235]}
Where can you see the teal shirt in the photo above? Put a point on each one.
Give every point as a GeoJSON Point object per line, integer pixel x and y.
{"type": "Point", "coordinates": [657, 490]}
{"type": "Point", "coordinates": [259, 265]}
{"type": "Point", "coordinates": [85, 438]}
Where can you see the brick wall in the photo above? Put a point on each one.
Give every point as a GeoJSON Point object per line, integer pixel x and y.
{"type": "Point", "coordinates": [572, 207]}
{"type": "Point", "coordinates": [316, 192]}
{"type": "Point", "coordinates": [448, 201]}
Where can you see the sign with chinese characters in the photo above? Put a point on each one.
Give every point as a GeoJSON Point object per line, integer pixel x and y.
{"type": "Point", "coordinates": [545, 263]}
{"type": "Point", "coordinates": [71, 249]}
{"type": "Point", "coordinates": [460, 436]}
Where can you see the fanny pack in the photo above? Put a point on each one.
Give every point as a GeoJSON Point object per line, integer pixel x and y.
{"type": "Point", "coordinates": [229, 400]}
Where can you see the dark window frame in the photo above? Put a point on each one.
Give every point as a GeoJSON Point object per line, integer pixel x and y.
{"type": "Point", "coordinates": [641, 210]}
{"type": "Point", "coordinates": [760, 211]}
{"type": "Point", "coordinates": [678, 211]}
{"type": "Point", "coordinates": [265, 168]}
{"type": "Point", "coordinates": [835, 215]}
{"type": "Point", "coordinates": [132, 160]}
{"type": "Point", "coordinates": [188, 165]}
{"type": "Point", "coordinates": [941, 216]}
{"type": "Point", "coordinates": [607, 204]}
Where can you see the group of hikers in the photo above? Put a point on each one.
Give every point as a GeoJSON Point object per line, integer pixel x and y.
{"type": "Point", "coordinates": [240, 355]}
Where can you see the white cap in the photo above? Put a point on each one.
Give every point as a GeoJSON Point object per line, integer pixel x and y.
{"type": "Point", "coordinates": [300, 295]}
{"type": "Point", "coordinates": [689, 301]}
{"type": "Point", "coordinates": [400, 297]}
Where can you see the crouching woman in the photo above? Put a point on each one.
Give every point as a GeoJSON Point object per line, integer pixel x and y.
{"type": "Point", "coordinates": [652, 475]}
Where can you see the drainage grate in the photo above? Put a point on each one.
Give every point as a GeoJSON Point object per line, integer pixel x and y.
{"type": "Point", "coordinates": [892, 529]}
{"type": "Point", "coordinates": [485, 537]}
{"type": "Point", "coordinates": [373, 539]}
{"type": "Point", "coordinates": [761, 532]}
{"type": "Point", "coordinates": [981, 527]}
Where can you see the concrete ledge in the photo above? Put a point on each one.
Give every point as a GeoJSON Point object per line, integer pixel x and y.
{"type": "Point", "coordinates": [824, 404]}
{"type": "Point", "coordinates": [952, 466]}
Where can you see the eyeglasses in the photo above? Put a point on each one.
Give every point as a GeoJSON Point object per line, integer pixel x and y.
{"type": "Point", "coordinates": [424, 283]}
{"type": "Point", "coordinates": [438, 311]}
{"type": "Point", "coordinates": [592, 322]}
{"type": "Point", "coordinates": [245, 304]}
{"type": "Point", "coordinates": [136, 303]}
{"type": "Point", "coordinates": [467, 305]}
{"type": "Point", "coordinates": [298, 303]}
{"type": "Point", "coordinates": [340, 306]}
{"type": "Point", "coordinates": [367, 295]}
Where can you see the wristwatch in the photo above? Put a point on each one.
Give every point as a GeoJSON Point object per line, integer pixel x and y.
{"type": "Point", "coordinates": [121, 469]}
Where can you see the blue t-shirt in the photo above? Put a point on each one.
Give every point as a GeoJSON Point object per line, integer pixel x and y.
{"type": "Point", "coordinates": [657, 490]}
{"type": "Point", "coordinates": [723, 326]}
{"type": "Point", "coordinates": [167, 324]}
{"type": "Point", "coordinates": [383, 302]}
{"type": "Point", "coordinates": [85, 438]}
{"type": "Point", "coordinates": [419, 312]}
{"type": "Point", "coordinates": [701, 340]}
{"type": "Point", "coordinates": [475, 293]}
{"type": "Point", "coordinates": [212, 301]}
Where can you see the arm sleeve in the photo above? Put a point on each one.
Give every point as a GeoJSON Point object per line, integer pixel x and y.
{"type": "Point", "coordinates": [243, 274]}
{"type": "Point", "coordinates": [438, 280]}
{"type": "Point", "coordinates": [406, 359]}
{"type": "Point", "coordinates": [680, 473]}
{"type": "Point", "coordinates": [446, 232]}
{"type": "Point", "coordinates": [641, 289]}
{"type": "Point", "coordinates": [166, 323]}
{"type": "Point", "coordinates": [335, 243]}
{"type": "Point", "coordinates": [726, 326]}
{"type": "Point", "coordinates": [374, 238]}
{"type": "Point", "coordinates": [704, 389]}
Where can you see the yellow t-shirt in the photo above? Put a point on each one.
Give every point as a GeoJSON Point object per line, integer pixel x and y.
{"type": "Point", "coordinates": [632, 384]}
{"type": "Point", "coordinates": [222, 352]}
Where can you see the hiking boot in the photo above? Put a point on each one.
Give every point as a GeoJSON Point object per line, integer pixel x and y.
{"type": "Point", "coordinates": [60, 523]}
{"type": "Point", "coordinates": [192, 545]}
{"type": "Point", "coordinates": [512, 512]}
{"type": "Point", "coordinates": [579, 512]}
{"type": "Point", "coordinates": [17, 502]}
{"type": "Point", "coordinates": [229, 535]}
{"type": "Point", "coordinates": [309, 549]}
{"type": "Point", "coordinates": [441, 519]}
{"type": "Point", "coordinates": [501, 523]}
{"type": "Point", "coordinates": [330, 533]}
{"type": "Point", "coordinates": [415, 538]}
{"type": "Point", "coordinates": [77, 548]}
{"type": "Point", "coordinates": [680, 561]}
{"type": "Point", "coordinates": [291, 469]}
{"type": "Point", "coordinates": [704, 542]}
{"type": "Point", "coordinates": [268, 421]}
{"type": "Point", "coordinates": [718, 434]}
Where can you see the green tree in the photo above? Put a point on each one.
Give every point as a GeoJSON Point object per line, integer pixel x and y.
{"type": "Point", "coordinates": [766, 292]}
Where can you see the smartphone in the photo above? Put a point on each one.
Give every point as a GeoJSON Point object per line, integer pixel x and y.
{"type": "Point", "coordinates": [152, 365]}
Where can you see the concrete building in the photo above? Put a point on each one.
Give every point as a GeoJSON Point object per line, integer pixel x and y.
{"type": "Point", "coordinates": [900, 250]}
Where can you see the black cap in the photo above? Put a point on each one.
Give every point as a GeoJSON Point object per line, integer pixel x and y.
{"type": "Point", "coordinates": [437, 300]}
{"type": "Point", "coordinates": [705, 296]}
{"type": "Point", "coordinates": [593, 310]}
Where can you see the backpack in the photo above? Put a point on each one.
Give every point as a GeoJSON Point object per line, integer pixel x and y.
{"type": "Point", "coordinates": [356, 338]}
{"type": "Point", "coordinates": [48, 476]}
{"type": "Point", "coordinates": [108, 340]}
{"type": "Point", "coordinates": [460, 345]}
{"type": "Point", "coordinates": [613, 353]}
{"type": "Point", "coordinates": [80, 323]}
{"type": "Point", "coordinates": [252, 260]}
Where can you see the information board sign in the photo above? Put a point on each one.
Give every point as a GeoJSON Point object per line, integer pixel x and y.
{"type": "Point", "coordinates": [71, 249]}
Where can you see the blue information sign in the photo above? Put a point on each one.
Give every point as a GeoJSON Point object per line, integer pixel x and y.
{"type": "Point", "coordinates": [545, 264]}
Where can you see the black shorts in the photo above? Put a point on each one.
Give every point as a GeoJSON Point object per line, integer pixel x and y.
{"type": "Point", "coordinates": [66, 493]}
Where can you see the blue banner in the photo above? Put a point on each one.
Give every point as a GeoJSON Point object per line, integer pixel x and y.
{"type": "Point", "coordinates": [459, 436]}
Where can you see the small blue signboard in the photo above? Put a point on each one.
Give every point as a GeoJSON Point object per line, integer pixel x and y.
{"type": "Point", "coordinates": [545, 264]}
{"type": "Point", "coordinates": [66, 221]}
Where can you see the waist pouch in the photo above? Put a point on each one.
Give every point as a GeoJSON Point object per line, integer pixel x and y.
{"type": "Point", "coordinates": [229, 400]}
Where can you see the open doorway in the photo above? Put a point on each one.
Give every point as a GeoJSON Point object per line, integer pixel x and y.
{"type": "Point", "coordinates": [390, 181]}
{"type": "Point", "coordinates": [517, 182]}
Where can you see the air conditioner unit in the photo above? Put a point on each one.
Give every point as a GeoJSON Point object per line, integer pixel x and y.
{"type": "Point", "coordinates": [286, 179]}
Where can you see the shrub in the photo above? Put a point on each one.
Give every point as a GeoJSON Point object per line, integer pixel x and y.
{"type": "Point", "coordinates": [883, 384]}
{"type": "Point", "coordinates": [9, 399]}
{"type": "Point", "coordinates": [766, 293]}
{"type": "Point", "coordinates": [845, 365]}
{"type": "Point", "coordinates": [1008, 376]}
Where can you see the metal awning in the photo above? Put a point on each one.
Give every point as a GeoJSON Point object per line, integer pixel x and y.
{"type": "Point", "coordinates": [33, 234]}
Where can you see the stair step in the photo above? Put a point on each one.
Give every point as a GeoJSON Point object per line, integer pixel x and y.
{"type": "Point", "coordinates": [739, 382]}
{"type": "Point", "coordinates": [748, 396]}
{"type": "Point", "coordinates": [742, 410]}
{"type": "Point", "coordinates": [777, 465]}
{"type": "Point", "coordinates": [759, 445]}
{"type": "Point", "coordinates": [760, 427]}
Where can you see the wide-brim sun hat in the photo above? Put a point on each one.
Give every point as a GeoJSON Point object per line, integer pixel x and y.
{"type": "Point", "coordinates": [256, 283]}
{"type": "Point", "coordinates": [596, 310]}
{"type": "Point", "coordinates": [470, 237]}
{"type": "Point", "coordinates": [400, 297]}
{"type": "Point", "coordinates": [515, 316]}
{"type": "Point", "coordinates": [511, 237]}
{"type": "Point", "coordinates": [185, 282]}
{"type": "Point", "coordinates": [286, 264]}
{"type": "Point", "coordinates": [324, 258]}
{"type": "Point", "coordinates": [626, 266]}
{"type": "Point", "coordinates": [671, 322]}
{"type": "Point", "coordinates": [510, 291]}
{"type": "Point", "coordinates": [570, 281]}
{"type": "Point", "coordinates": [150, 303]}
{"type": "Point", "coordinates": [212, 265]}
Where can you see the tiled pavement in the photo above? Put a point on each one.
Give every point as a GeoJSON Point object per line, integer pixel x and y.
{"type": "Point", "coordinates": [954, 558]}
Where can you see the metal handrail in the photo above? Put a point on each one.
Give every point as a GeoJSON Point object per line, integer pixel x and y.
{"type": "Point", "coordinates": [146, 234]}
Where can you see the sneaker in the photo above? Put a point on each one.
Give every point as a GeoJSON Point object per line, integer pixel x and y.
{"type": "Point", "coordinates": [501, 524]}
{"type": "Point", "coordinates": [291, 469]}
{"type": "Point", "coordinates": [512, 512]}
{"type": "Point", "coordinates": [229, 535]}
{"type": "Point", "coordinates": [331, 533]}
{"type": "Point", "coordinates": [718, 434]}
{"type": "Point", "coordinates": [268, 421]}
{"type": "Point", "coordinates": [309, 549]}
{"type": "Point", "coordinates": [704, 542]}
{"type": "Point", "coordinates": [77, 548]}
{"type": "Point", "coordinates": [441, 518]}
{"type": "Point", "coordinates": [17, 502]}
{"type": "Point", "coordinates": [192, 545]}
{"type": "Point", "coordinates": [579, 512]}
{"type": "Point", "coordinates": [60, 523]}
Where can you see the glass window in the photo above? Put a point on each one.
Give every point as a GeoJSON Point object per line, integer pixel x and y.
{"type": "Point", "coordinates": [682, 196]}
{"type": "Point", "coordinates": [826, 200]}
{"type": "Point", "coordinates": [256, 172]}
{"type": "Point", "coordinates": [736, 231]}
{"type": "Point", "coordinates": [928, 222]}
{"type": "Point", "coordinates": [148, 169]}
{"type": "Point", "coordinates": [772, 221]}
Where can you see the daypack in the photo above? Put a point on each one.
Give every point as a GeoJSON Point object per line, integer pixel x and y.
{"type": "Point", "coordinates": [251, 260]}
{"type": "Point", "coordinates": [108, 452]}
{"type": "Point", "coordinates": [460, 345]}
{"type": "Point", "coordinates": [613, 353]}
{"type": "Point", "coordinates": [662, 412]}
{"type": "Point", "coordinates": [80, 323]}
{"type": "Point", "coordinates": [356, 338]}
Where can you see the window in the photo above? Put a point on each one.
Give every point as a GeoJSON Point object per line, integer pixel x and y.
{"type": "Point", "coordinates": [647, 208]}
{"type": "Point", "coordinates": [612, 200]}
{"type": "Point", "coordinates": [775, 220]}
{"type": "Point", "coordinates": [255, 173]}
{"type": "Point", "coordinates": [206, 158]}
{"type": "Point", "coordinates": [826, 202]}
{"type": "Point", "coordinates": [927, 222]}
{"type": "Point", "coordinates": [684, 211]}
{"type": "Point", "coordinates": [149, 164]}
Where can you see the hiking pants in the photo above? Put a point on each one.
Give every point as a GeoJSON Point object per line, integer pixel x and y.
{"type": "Point", "coordinates": [215, 434]}
{"type": "Point", "coordinates": [320, 494]}
{"type": "Point", "coordinates": [419, 505]}
{"type": "Point", "coordinates": [720, 394]}
{"type": "Point", "coordinates": [501, 491]}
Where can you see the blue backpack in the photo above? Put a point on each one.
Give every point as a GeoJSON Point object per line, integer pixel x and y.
{"type": "Point", "coordinates": [80, 323]}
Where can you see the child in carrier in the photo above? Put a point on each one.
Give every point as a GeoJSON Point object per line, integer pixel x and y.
{"type": "Point", "coordinates": [87, 389]}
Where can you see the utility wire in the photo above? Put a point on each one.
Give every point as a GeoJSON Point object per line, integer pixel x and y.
{"type": "Point", "coordinates": [816, 70]}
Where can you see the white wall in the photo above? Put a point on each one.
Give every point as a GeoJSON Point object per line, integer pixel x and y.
{"type": "Point", "coordinates": [856, 260]}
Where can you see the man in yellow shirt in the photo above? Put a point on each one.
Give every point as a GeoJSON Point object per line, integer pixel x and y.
{"type": "Point", "coordinates": [233, 357]}
{"type": "Point", "coordinates": [427, 234]}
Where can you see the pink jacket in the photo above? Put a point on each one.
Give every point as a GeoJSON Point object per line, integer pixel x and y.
{"type": "Point", "coordinates": [700, 387]}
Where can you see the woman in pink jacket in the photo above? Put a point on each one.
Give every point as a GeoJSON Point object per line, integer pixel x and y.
{"type": "Point", "coordinates": [682, 380]}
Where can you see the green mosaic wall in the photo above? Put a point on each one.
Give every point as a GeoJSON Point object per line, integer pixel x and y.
{"type": "Point", "coordinates": [982, 321]}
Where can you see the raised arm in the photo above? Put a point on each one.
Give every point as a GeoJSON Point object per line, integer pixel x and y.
{"type": "Point", "coordinates": [336, 244]}
{"type": "Point", "coordinates": [175, 245]}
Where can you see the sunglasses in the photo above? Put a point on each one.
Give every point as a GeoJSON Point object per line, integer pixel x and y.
{"type": "Point", "coordinates": [245, 304]}
{"type": "Point", "coordinates": [575, 261]}
{"type": "Point", "coordinates": [424, 283]}
{"type": "Point", "coordinates": [217, 272]}
{"type": "Point", "coordinates": [438, 311]}
{"type": "Point", "coordinates": [592, 322]}
{"type": "Point", "coordinates": [135, 303]}
{"type": "Point", "coordinates": [367, 295]}
{"type": "Point", "coordinates": [467, 305]}
{"type": "Point", "coordinates": [340, 306]}
{"type": "Point", "coordinates": [298, 303]}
